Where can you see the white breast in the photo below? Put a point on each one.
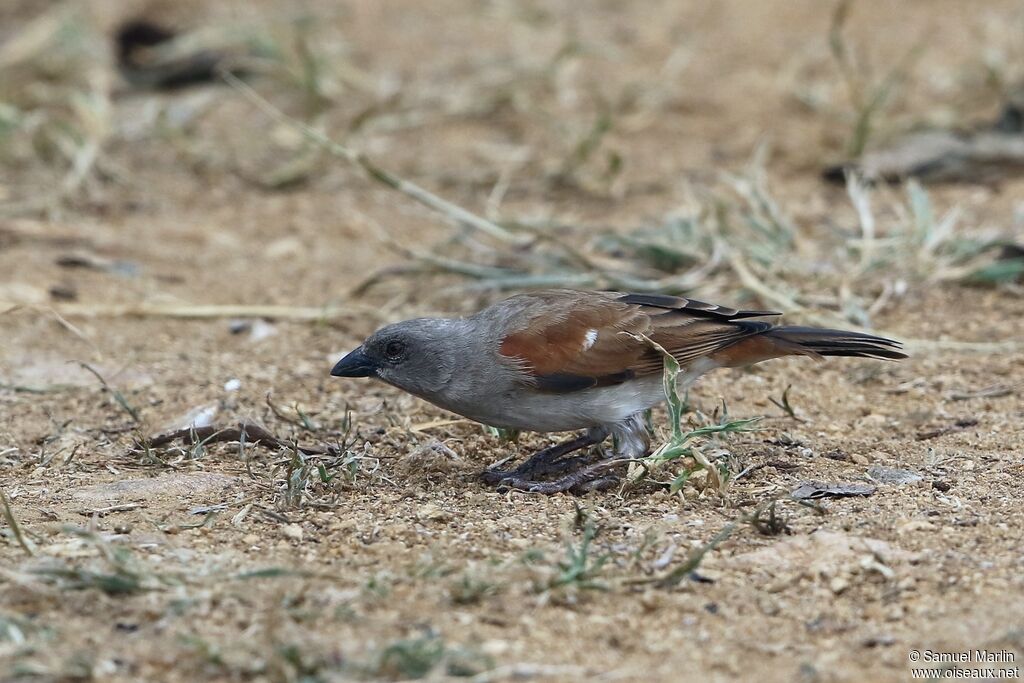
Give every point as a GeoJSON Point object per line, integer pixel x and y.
{"type": "Point", "coordinates": [530, 410]}
{"type": "Point", "coordinates": [524, 408]}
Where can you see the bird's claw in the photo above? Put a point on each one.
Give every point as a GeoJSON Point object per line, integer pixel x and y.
{"type": "Point", "coordinates": [585, 479]}
{"type": "Point", "coordinates": [575, 476]}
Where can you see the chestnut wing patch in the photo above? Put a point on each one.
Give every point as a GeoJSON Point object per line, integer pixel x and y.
{"type": "Point", "coordinates": [581, 348]}
{"type": "Point", "coordinates": [578, 343]}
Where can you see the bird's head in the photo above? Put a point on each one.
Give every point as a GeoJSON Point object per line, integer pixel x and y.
{"type": "Point", "coordinates": [418, 356]}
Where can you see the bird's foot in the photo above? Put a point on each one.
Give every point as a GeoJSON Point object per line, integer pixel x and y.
{"type": "Point", "coordinates": [551, 460]}
{"type": "Point", "coordinates": [531, 469]}
{"type": "Point", "coordinates": [576, 474]}
{"type": "Point", "coordinates": [595, 477]}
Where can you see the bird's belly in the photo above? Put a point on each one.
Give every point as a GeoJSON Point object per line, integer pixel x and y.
{"type": "Point", "coordinates": [530, 410]}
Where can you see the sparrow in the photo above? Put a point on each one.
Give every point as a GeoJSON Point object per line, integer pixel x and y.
{"type": "Point", "coordinates": [564, 360]}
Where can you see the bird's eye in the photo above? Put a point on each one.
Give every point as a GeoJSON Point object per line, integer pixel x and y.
{"type": "Point", "coordinates": [395, 350]}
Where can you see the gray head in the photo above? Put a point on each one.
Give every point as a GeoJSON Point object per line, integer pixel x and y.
{"type": "Point", "coordinates": [418, 356]}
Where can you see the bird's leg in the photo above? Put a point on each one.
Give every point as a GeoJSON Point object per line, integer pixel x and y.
{"type": "Point", "coordinates": [595, 477]}
{"type": "Point", "coordinates": [631, 442]}
{"type": "Point", "coordinates": [549, 460]}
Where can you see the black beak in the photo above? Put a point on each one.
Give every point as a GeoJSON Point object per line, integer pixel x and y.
{"type": "Point", "coordinates": [355, 364]}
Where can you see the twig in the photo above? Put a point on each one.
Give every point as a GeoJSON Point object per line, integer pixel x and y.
{"type": "Point", "coordinates": [113, 508]}
{"type": "Point", "coordinates": [958, 426]}
{"type": "Point", "coordinates": [245, 431]}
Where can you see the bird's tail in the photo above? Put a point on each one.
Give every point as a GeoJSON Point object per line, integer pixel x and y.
{"type": "Point", "coordinates": [816, 341]}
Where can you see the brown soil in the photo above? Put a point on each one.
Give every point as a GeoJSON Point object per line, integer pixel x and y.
{"type": "Point", "coordinates": [413, 551]}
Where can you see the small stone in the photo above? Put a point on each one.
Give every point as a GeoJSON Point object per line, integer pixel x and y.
{"type": "Point", "coordinates": [189, 486]}
{"type": "Point", "coordinates": [292, 532]}
{"type": "Point", "coordinates": [916, 525]}
{"type": "Point", "coordinates": [838, 584]}
{"type": "Point", "coordinates": [250, 539]}
{"type": "Point", "coordinates": [399, 530]}
{"type": "Point", "coordinates": [651, 600]}
{"type": "Point", "coordinates": [860, 459]}
{"type": "Point", "coordinates": [63, 292]}
{"type": "Point", "coordinates": [768, 605]}
{"type": "Point", "coordinates": [286, 247]}
{"type": "Point", "coordinates": [432, 513]}
{"type": "Point", "coordinates": [880, 640]}
{"type": "Point", "coordinates": [494, 648]}
{"type": "Point", "coordinates": [781, 583]}
{"type": "Point", "coordinates": [891, 475]}
{"type": "Point", "coordinates": [22, 293]}
{"type": "Point", "coordinates": [347, 524]}
{"type": "Point", "coordinates": [196, 418]}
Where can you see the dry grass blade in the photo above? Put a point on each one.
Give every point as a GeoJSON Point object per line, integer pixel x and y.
{"type": "Point", "coordinates": [694, 559]}
{"type": "Point", "coordinates": [205, 311]}
{"type": "Point", "coordinates": [994, 391]}
{"type": "Point", "coordinates": [73, 123]}
{"type": "Point", "coordinates": [580, 568]}
{"type": "Point", "coordinates": [121, 572]}
{"type": "Point", "coordinates": [756, 284]}
{"type": "Point", "coordinates": [692, 562]}
{"type": "Point", "coordinates": [118, 396]}
{"type": "Point", "coordinates": [453, 212]}
{"type": "Point", "coordinates": [868, 98]}
{"type": "Point", "coordinates": [1008, 346]}
{"type": "Point", "coordinates": [783, 403]}
{"type": "Point", "coordinates": [12, 521]}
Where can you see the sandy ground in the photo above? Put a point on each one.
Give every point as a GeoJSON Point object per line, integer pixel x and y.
{"type": "Point", "coordinates": [204, 564]}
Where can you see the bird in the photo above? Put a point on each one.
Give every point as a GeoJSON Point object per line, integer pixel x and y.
{"type": "Point", "coordinates": [566, 360]}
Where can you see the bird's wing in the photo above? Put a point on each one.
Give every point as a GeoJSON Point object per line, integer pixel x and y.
{"type": "Point", "coordinates": [567, 341]}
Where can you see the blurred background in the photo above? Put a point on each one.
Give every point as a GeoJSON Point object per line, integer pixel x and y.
{"type": "Point", "coordinates": [595, 125]}
{"type": "Point", "coordinates": [203, 204]}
